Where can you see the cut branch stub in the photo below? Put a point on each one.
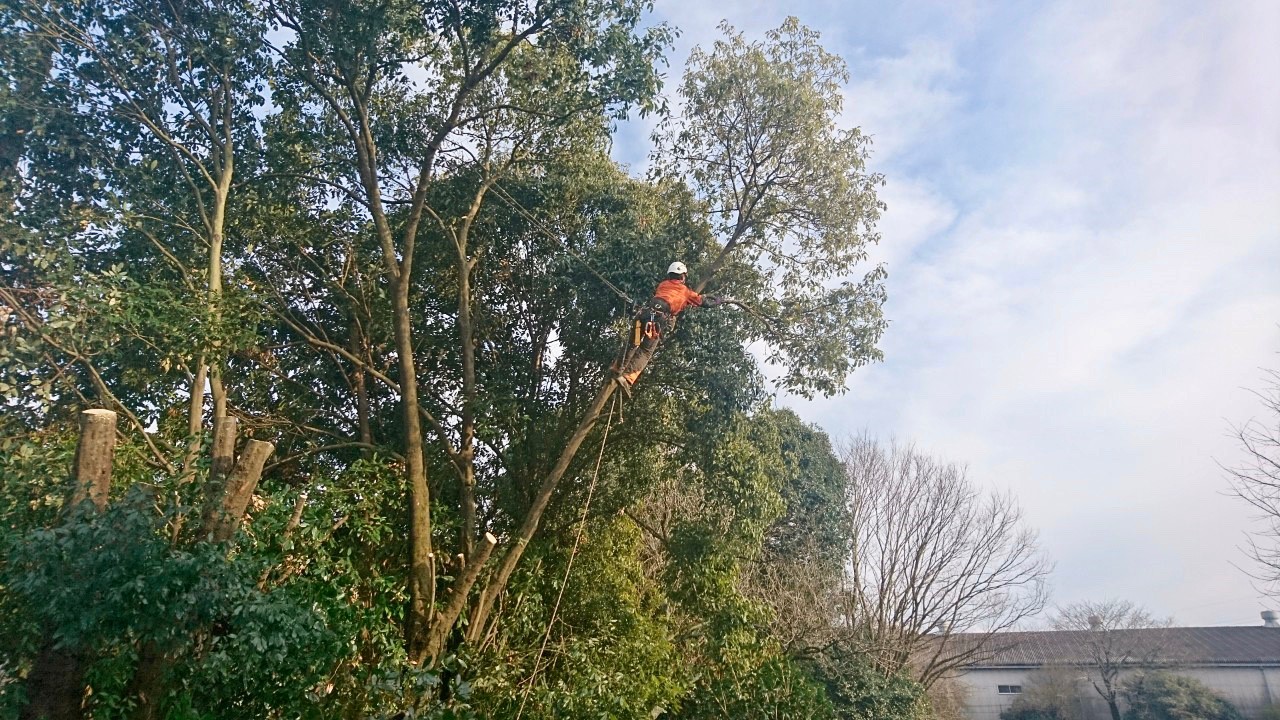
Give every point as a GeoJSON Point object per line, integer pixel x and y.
{"type": "Point", "coordinates": [94, 455]}
{"type": "Point", "coordinates": [240, 487]}
{"type": "Point", "coordinates": [457, 598]}
{"type": "Point", "coordinates": [221, 463]}
{"type": "Point", "coordinates": [224, 448]}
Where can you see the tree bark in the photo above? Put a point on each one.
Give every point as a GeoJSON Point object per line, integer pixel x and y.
{"type": "Point", "coordinates": [223, 458]}
{"type": "Point", "coordinates": [399, 271]}
{"type": "Point", "coordinates": [360, 384]}
{"type": "Point", "coordinates": [466, 454]}
{"type": "Point", "coordinates": [224, 448]}
{"type": "Point", "coordinates": [241, 484]}
{"type": "Point", "coordinates": [195, 424]}
{"type": "Point", "coordinates": [94, 455]}
{"type": "Point", "coordinates": [55, 687]}
{"type": "Point", "coordinates": [466, 448]}
{"type": "Point", "coordinates": [147, 683]}
{"type": "Point", "coordinates": [421, 580]}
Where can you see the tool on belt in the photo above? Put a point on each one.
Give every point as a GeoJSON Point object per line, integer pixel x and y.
{"type": "Point", "coordinates": [650, 321]}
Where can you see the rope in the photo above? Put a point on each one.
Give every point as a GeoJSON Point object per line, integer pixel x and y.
{"type": "Point", "coordinates": [541, 227]}
{"type": "Point", "coordinates": [577, 540]}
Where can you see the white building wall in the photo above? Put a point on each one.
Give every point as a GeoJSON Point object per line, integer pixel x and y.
{"type": "Point", "coordinates": [1250, 689]}
{"type": "Point", "coordinates": [982, 697]}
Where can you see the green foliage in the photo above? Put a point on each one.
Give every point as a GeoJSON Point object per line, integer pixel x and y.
{"type": "Point", "coordinates": [1027, 712]}
{"type": "Point", "coordinates": [857, 691]}
{"type": "Point", "coordinates": [110, 582]}
{"type": "Point", "coordinates": [759, 143]}
{"type": "Point", "coordinates": [161, 216]}
{"type": "Point", "coordinates": [1168, 696]}
{"type": "Point", "coordinates": [1270, 712]}
{"type": "Point", "coordinates": [608, 653]}
{"type": "Point", "coordinates": [756, 683]}
{"type": "Point", "coordinates": [1053, 694]}
{"type": "Point", "coordinates": [33, 478]}
{"type": "Point", "coordinates": [813, 493]}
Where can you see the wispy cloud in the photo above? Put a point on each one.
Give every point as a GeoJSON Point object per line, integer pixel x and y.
{"type": "Point", "coordinates": [1092, 312]}
{"type": "Point", "coordinates": [1083, 239]}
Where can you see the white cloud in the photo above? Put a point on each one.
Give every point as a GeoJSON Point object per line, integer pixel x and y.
{"type": "Point", "coordinates": [916, 213]}
{"type": "Point", "coordinates": [903, 98]}
{"type": "Point", "coordinates": [1083, 239]}
{"type": "Point", "coordinates": [1079, 327]}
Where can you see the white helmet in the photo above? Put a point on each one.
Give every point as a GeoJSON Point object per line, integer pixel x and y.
{"type": "Point", "coordinates": [678, 268]}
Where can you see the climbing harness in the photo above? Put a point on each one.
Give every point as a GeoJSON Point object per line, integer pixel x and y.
{"type": "Point", "coordinates": [650, 322]}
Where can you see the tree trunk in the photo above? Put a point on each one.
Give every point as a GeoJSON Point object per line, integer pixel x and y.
{"type": "Point", "coordinates": [230, 488]}
{"type": "Point", "coordinates": [217, 225]}
{"type": "Point", "coordinates": [195, 424]}
{"type": "Point", "coordinates": [147, 683]}
{"type": "Point", "coordinates": [421, 580]}
{"type": "Point", "coordinates": [399, 271]}
{"type": "Point", "coordinates": [466, 448]}
{"type": "Point", "coordinates": [360, 384]}
{"type": "Point", "coordinates": [94, 455]}
{"type": "Point", "coordinates": [241, 484]}
{"type": "Point", "coordinates": [457, 599]}
{"type": "Point", "coordinates": [223, 459]}
{"type": "Point", "coordinates": [55, 687]}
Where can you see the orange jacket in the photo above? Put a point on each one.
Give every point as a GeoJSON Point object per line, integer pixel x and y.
{"type": "Point", "coordinates": [677, 295]}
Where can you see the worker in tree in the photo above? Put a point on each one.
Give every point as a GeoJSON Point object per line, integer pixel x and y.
{"type": "Point", "coordinates": [655, 319]}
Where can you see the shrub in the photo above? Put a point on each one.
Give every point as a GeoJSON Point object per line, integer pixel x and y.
{"type": "Point", "coordinates": [859, 692]}
{"type": "Point", "coordinates": [1165, 696]}
{"type": "Point", "coordinates": [1053, 694]}
{"type": "Point", "coordinates": [1027, 712]}
{"type": "Point", "coordinates": [1270, 712]}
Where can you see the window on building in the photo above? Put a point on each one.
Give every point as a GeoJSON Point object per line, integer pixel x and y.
{"type": "Point", "coordinates": [1009, 689]}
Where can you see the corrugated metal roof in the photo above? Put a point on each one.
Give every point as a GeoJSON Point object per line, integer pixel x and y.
{"type": "Point", "coordinates": [1253, 645]}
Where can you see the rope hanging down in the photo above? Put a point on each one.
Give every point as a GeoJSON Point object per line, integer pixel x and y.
{"type": "Point", "coordinates": [542, 228]}
{"type": "Point", "coordinates": [577, 540]}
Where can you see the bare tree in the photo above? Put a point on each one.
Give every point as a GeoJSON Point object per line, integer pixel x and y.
{"type": "Point", "coordinates": [948, 700]}
{"type": "Point", "coordinates": [1257, 480]}
{"type": "Point", "coordinates": [1117, 636]}
{"type": "Point", "coordinates": [933, 555]}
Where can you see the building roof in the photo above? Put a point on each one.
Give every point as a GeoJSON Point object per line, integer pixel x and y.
{"type": "Point", "coordinates": [1254, 645]}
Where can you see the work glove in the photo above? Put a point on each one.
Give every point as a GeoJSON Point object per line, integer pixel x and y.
{"type": "Point", "coordinates": [711, 300]}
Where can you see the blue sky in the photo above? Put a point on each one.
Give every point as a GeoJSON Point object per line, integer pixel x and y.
{"type": "Point", "coordinates": [1083, 243]}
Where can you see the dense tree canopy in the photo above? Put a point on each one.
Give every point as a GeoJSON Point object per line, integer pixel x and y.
{"type": "Point", "coordinates": [376, 235]}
